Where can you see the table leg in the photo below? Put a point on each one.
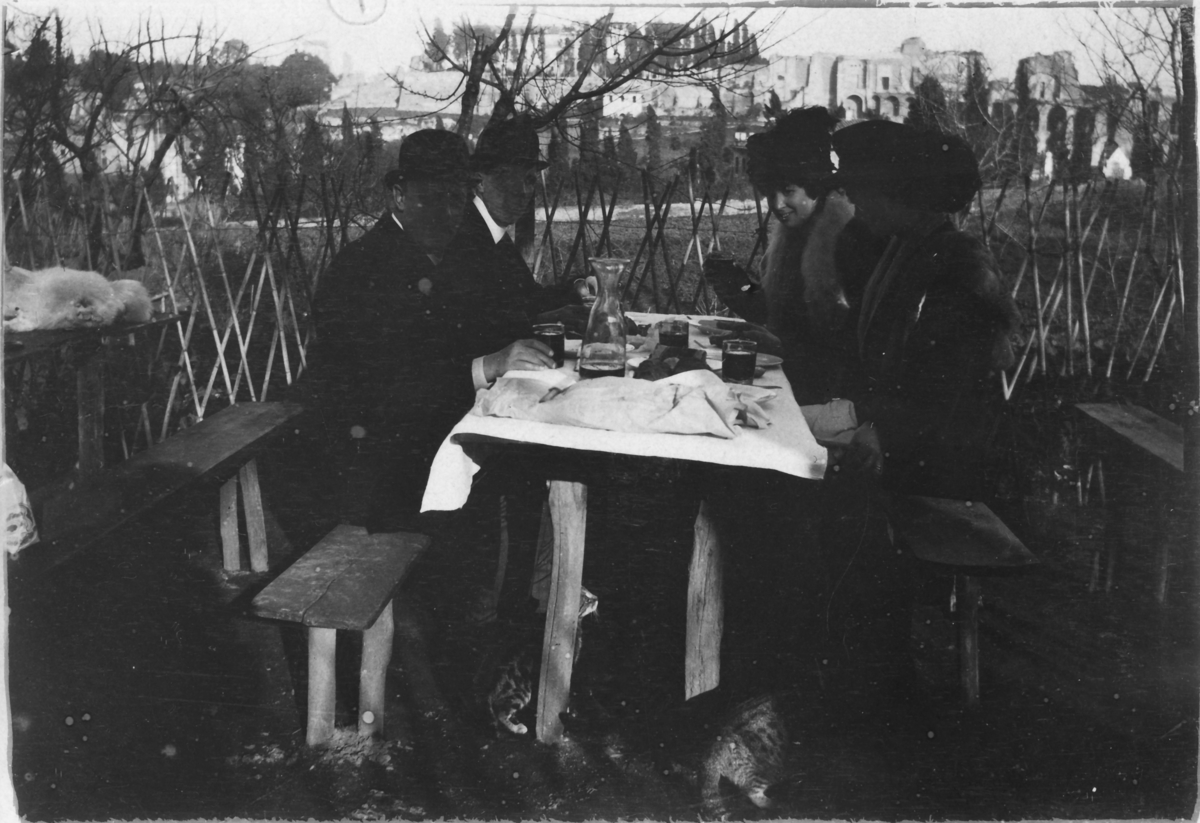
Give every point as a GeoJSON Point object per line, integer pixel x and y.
{"type": "Point", "coordinates": [89, 393]}
{"type": "Point", "coordinates": [539, 584]}
{"type": "Point", "coordinates": [568, 509]}
{"type": "Point", "coordinates": [706, 609]}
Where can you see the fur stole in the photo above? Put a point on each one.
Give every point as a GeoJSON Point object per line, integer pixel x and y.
{"type": "Point", "coordinates": [800, 273]}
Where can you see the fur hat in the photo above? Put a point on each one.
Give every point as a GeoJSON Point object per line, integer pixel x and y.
{"type": "Point", "coordinates": [512, 141]}
{"type": "Point", "coordinates": [431, 154]}
{"type": "Point", "coordinates": [795, 151]}
{"type": "Point", "coordinates": [923, 169]}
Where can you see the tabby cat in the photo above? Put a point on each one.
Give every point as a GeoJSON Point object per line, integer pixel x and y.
{"type": "Point", "coordinates": [515, 683]}
{"type": "Point", "coordinates": [749, 751]}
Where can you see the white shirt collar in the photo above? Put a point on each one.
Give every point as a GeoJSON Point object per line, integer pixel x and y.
{"type": "Point", "coordinates": [495, 228]}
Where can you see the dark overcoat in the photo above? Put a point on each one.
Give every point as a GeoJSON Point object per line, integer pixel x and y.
{"type": "Point", "coordinates": [933, 334]}
{"type": "Point", "coordinates": [396, 335]}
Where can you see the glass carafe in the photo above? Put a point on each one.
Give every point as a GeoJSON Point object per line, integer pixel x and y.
{"type": "Point", "coordinates": [603, 351]}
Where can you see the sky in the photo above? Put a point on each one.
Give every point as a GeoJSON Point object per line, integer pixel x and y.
{"type": "Point", "coordinates": [275, 28]}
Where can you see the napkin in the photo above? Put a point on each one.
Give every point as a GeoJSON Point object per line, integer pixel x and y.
{"type": "Point", "coordinates": [735, 403]}
{"type": "Point", "coordinates": [692, 402]}
{"type": "Point", "coordinates": [611, 403]}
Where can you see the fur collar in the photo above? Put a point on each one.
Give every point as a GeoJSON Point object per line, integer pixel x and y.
{"type": "Point", "coordinates": [799, 271]}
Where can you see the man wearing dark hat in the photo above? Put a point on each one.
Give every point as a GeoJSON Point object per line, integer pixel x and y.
{"type": "Point", "coordinates": [400, 334]}
{"type": "Point", "coordinates": [507, 160]}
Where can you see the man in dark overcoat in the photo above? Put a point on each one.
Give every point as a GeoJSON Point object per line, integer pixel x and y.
{"type": "Point", "coordinates": [507, 160]}
{"type": "Point", "coordinates": [404, 340]}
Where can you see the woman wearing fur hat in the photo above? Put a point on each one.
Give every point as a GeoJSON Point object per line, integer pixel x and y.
{"type": "Point", "coordinates": [935, 320]}
{"type": "Point", "coordinates": [817, 256]}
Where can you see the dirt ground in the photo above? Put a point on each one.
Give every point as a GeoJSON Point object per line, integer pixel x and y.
{"type": "Point", "coordinates": [139, 689]}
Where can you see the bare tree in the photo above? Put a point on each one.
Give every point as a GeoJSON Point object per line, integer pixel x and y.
{"type": "Point", "coordinates": [125, 106]}
{"type": "Point", "coordinates": [593, 60]}
{"type": "Point", "coordinates": [1138, 51]}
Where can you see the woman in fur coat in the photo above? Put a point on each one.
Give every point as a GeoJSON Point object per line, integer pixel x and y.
{"type": "Point", "coordinates": [935, 321]}
{"type": "Point", "coordinates": [817, 255]}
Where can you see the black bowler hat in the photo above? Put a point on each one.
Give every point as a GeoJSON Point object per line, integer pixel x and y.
{"type": "Point", "coordinates": [431, 154]}
{"type": "Point", "coordinates": [513, 141]}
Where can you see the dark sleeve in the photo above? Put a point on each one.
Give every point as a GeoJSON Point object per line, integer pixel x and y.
{"type": "Point", "coordinates": [947, 363]}
{"type": "Point", "coordinates": [347, 358]}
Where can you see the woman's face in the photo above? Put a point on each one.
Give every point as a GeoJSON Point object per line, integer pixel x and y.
{"type": "Point", "coordinates": [792, 206]}
{"type": "Point", "coordinates": [883, 215]}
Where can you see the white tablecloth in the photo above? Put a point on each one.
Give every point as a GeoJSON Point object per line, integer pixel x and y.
{"type": "Point", "coordinates": [787, 445]}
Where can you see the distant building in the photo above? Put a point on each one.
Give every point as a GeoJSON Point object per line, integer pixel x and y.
{"type": "Point", "coordinates": [854, 86]}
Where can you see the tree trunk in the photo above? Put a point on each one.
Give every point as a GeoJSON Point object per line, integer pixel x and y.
{"type": "Point", "coordinates": [470, 97]}
{"type": "Point", "coordinates": [136, 257]}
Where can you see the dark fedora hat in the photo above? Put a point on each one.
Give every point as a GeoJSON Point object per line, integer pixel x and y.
{"type": "Point", "coordinates": [431, 154]}
{"type": "Point", "coordinates": [923, 168]}
{"type": "Point", "coordinates": [796, 150]}
{"type": "Point", "coordinates": [512, 141]}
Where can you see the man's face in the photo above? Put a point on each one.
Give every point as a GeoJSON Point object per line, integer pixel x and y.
{"type": "Point", "coordinates": [507, 191]}
{"type": "Point", "coordinates": [879, 212]}
{"type": "Point", "coordinates": [431, 210]}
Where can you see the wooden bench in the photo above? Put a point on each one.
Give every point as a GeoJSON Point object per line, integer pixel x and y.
{"type": "Point", "coordinates": [345, 582]}
{"type": "Point", "coordinates": [969, 540]}
{"type": "Point", "coordinates": [1140, 435]}
{"type": "Point", "coordinates": [222, 446]}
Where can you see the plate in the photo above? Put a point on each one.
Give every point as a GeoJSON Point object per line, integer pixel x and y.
{"type": "Point", "coordinates": [767, 361]}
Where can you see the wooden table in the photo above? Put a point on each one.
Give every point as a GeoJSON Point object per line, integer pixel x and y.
{"type": "Point", "coordinates": [787, 445]}
{"type": "Point", "coordinates": [87, 348]}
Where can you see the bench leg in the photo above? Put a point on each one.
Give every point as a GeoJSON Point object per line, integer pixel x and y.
{"type": "Point", "coordinates": [89, 390]}
{"type": "Point", "coordinates": [322, 686]}
{"type": "Point", "coordinates": [372, 674]}
{"type": "Point", "coordinates": [967, 607]}
{"type": "Point", "coordinates": [231, 543]}
{"type": "Point", "coordinates": [256, 522]}
{"type": "Point", "coordinates": [706, 609]}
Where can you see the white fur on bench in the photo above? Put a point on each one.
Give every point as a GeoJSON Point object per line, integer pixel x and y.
{"type": "Point", "coordinates": [59, 298]}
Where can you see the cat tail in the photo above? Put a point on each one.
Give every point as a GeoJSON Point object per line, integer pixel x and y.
{"type": "Point", "coordinates": [135, 301]}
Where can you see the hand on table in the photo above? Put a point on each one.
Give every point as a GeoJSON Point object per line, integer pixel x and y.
{"type": "Point", "coordinates": [523, 354]}
{"type": "Point", "coordinates": [864, 454]}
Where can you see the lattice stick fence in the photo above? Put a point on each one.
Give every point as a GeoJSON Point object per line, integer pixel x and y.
{"type": "Point", "coordinates": [1112, 262]}
{"type": "Point", "coordinates": [1096, 268]}
{"type": "Point", "coordinates": [241, 293]}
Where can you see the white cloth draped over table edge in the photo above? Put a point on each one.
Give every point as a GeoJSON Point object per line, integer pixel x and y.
{"type": "Point", "coordinates": [787, 445]}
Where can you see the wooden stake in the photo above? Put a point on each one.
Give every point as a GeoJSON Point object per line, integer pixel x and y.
{"type": "Point", "coordinates": [1112, 355]}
